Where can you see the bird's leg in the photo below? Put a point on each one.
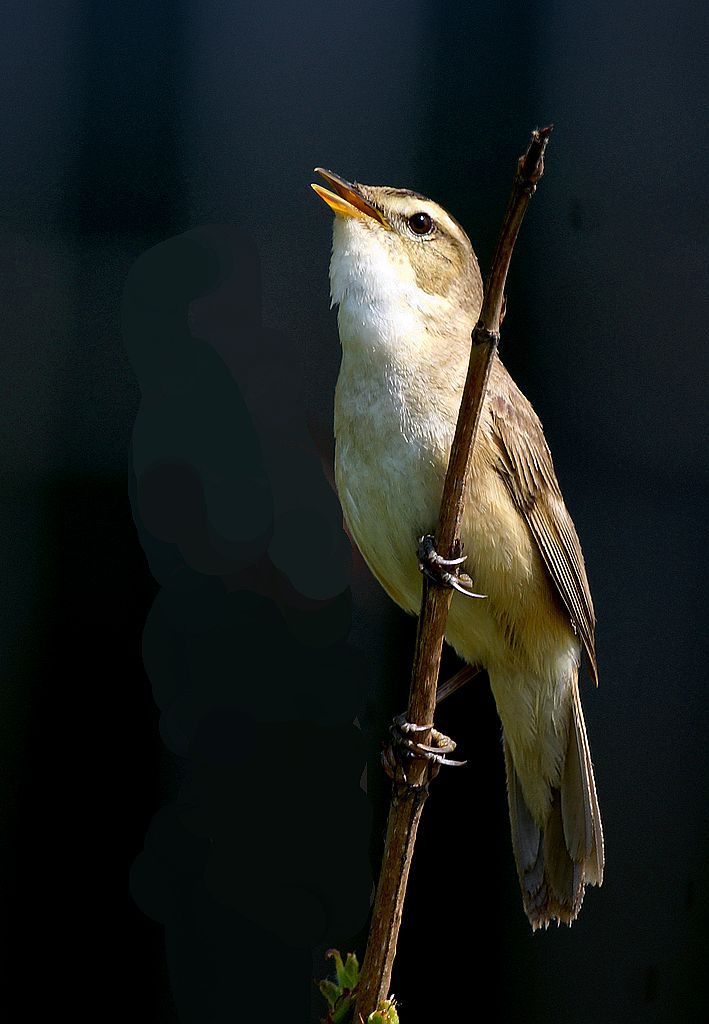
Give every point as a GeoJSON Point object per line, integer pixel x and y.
{"type": "Point", "coordinates": [402, 748]}
{"type": "Point", "coordinates": [460, 678]}
{"type": "Point", "coordinates": [438, 568]}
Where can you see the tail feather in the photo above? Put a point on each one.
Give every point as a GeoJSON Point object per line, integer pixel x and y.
{"type": "Point", "coordinates": [556, 862]}
{"type": "Point", "coordinates": [581, 815]}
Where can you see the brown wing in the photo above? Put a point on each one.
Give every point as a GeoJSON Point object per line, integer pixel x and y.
{"type": "Point", "coordinates": [526, 466]}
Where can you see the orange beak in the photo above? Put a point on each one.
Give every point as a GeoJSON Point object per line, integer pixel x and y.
{"type": "Point", "coordinates": [346, 200]}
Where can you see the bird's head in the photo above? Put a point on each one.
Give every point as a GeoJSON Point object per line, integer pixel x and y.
{"type": "Point", "coordinates": [402, 257]}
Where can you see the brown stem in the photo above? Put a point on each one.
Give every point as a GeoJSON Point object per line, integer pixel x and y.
{"type": "Point", "coordinates": [408, 798]}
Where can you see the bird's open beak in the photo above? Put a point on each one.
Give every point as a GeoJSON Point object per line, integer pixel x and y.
{"type": "Point", "coordinates": [346, 199]}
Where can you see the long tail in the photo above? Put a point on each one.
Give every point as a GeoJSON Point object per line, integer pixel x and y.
{"type": "Point", "coordinates": [555, 863]}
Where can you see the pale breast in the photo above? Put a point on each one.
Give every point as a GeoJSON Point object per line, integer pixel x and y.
{"type": "Point", "coordinates": [389, 489]}
{"type": "Point", "coordinates": [390, 472]}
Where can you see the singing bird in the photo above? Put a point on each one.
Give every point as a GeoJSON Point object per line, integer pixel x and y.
{"type": "Point", "coordinates": [407, 283]}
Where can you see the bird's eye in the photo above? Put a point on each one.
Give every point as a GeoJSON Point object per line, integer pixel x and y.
{"type": "Point", "coordinates": [421, 223]}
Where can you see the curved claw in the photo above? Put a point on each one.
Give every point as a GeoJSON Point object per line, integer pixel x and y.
{"type": "Point", "coordinates": [450, 761]}
{"type": "Point", "coordinates": [436, 754]}
{"type": "Point", "coordinates": [434, 566]}
{"type": "Point", "coordinates": [454, 582]}
{"type": "Point", "coordinates": [404, 726]}
{"type": "Point", "coordinates": [400, 731]}
{"type": "Point", "coordinates": [445, 748]}
{"type": "Point", "coordinates": [450, 561]}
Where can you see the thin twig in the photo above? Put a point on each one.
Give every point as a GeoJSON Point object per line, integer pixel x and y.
{"type": "Point", "coordinates": [408, 797]}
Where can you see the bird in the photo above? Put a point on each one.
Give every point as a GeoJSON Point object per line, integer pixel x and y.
{"type": "Point", "coordinates": [407, 284]}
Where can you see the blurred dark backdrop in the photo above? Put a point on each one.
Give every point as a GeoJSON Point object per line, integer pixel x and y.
{"type": "Point", "coordinates": [182, 826]}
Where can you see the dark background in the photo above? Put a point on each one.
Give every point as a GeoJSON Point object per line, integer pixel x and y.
{"type": "Point", "coordinates": [183, 832]}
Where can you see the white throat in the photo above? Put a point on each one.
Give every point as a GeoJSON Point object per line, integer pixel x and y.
{"type": "Point", "coordinates": [382, 310]}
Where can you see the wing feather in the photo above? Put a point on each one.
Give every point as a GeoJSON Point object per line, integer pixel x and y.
{"type": "Point", "coordinates": [525, 464]}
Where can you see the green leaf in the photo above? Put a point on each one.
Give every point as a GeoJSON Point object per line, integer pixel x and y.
{"type": "Point", "coordinates": [330, 991]}
{"type": "Point", "coordinates": [347, 972]}
{"type": "Point", "coordinates": [343, 1013]}
{"type": "Point", "coordinates": [335, 955]}
{"type": "Point", "coordinates": [350, 972]}
{"type": "Point", "coordinates": [340, 994]}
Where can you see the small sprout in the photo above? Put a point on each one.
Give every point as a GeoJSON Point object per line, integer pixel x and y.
{"type": "Point", "coordinates": [347, 973]}
{"type": "Point", "coordinates": [340, 994]}
{"type": "Point", "coordinates": [330, 991]}
{"type": "Point", "coordinates": [384, 1014]}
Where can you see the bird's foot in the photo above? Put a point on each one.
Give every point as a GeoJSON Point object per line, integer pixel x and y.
{"type": "Point", "coordinates": [437, 568]}
{"type": "Point", "coordinates": [402, 749]}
